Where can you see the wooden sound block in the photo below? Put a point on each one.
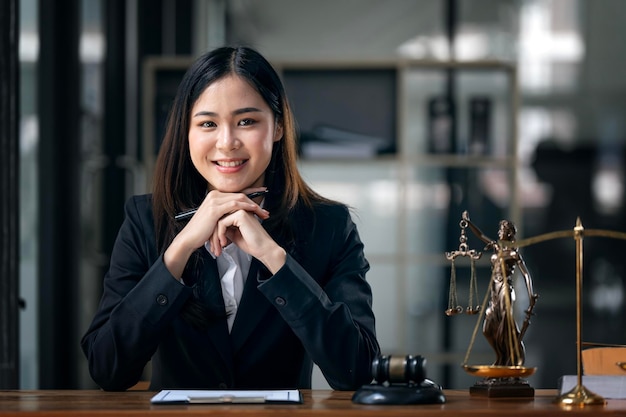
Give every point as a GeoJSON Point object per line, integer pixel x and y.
{"type": "Point", "coordinates": [604, 361]}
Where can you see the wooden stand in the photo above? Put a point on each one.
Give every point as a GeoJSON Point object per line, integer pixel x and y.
{"type": "Point", "coordinates": [502, 388]}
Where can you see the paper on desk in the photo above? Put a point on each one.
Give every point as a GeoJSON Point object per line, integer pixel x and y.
{"type": "Point", "coordinates": [607, 386]}
{"type": "Point", "coordinates": [172, 396]}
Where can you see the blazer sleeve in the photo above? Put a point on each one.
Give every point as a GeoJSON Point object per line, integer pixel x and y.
{"type": "Point", "coordinates": [139, 298]}
{"type": "Point", "coordinates": [330, 313]}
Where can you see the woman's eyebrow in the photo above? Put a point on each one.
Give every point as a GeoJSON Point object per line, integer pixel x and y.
{"type": "Point", "coordinates": [246, 110]}
{"type": "Point", "coordinates": [235, 112]}
{"type": "Point", "coordinates": [205, 113]}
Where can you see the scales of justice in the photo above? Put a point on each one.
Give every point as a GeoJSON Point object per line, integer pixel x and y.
{"type": "Point", "coordinates": [505, 377]}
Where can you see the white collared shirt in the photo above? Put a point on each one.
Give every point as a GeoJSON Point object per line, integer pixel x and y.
{"type": "Point", "coordinates": [233, 266]}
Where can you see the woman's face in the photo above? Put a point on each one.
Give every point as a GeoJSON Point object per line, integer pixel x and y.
{"type": "Point", "coordinates": [231, 135]}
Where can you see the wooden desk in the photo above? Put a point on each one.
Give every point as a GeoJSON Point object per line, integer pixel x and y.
{"type": "Point", "coordinates": [316, 403]}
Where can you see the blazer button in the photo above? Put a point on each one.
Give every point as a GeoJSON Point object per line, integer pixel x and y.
{"type": "Point", "coordinates": [161, 299]}
{"type": "Point", "coordinates": [280, 301]}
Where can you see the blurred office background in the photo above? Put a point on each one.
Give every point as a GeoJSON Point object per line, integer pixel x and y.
{"type": "Point", "coordinates": [411, 111]}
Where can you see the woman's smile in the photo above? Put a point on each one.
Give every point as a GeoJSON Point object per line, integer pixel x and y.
{"type": "Point", "coordinates": [230, 164]}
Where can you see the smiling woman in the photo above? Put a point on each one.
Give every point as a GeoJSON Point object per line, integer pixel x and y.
{"type": "Point", "coordinates": [231, 135]}
{"type": "Point", "coordinates": [266, 278]}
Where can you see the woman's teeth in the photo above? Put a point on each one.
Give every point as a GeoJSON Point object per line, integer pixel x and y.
{"type": "Point", "coordinates": [229, 163]}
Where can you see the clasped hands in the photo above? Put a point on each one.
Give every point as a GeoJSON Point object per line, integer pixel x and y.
{"type": "Point", "coordinates": [223, 218]}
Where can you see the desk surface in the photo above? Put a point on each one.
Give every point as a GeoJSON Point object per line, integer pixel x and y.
{"type": "Point", "coordinates": [317, 402]}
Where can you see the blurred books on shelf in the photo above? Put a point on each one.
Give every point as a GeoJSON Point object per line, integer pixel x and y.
{"type": "Point", "coordinates": [475, 139]}
{"type": "Point", "coordinates": [320, 150]}
{"type": "Point", "coordinates": [440, 133]}
{"type": "Point", "coordinates": [344, 111]}
{"type": "Point", "coordinates": [327, 142]}
{"type": "Point", "coordinates": [479, 125]}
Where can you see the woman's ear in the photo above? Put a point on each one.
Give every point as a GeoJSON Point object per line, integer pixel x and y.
{"type": "Point", "coordinates": [278, 131]}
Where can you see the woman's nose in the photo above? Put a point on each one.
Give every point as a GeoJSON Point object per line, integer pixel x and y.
{"type": "Point", "coordinates": [227, 140]}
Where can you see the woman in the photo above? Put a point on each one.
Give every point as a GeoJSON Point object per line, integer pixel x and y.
{"type": "Point", "coordinates": [250, 291]}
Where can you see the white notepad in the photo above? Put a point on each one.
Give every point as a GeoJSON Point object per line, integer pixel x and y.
{"type": "Point", "coordinates": [172, 396]}
{"type": "Point", "coordinates": [607, 386]}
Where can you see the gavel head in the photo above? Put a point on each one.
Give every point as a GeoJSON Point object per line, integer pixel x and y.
{"type": "Point", "coordinates": [391, 369]}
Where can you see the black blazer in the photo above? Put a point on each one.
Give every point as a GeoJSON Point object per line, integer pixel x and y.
{"type": "Point", "coordinates": [317, 307]}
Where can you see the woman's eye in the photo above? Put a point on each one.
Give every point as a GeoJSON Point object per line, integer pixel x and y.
{"type": "Point", "coordinates": [207, 124]}
{"type": "Point", "coordinates": [246, 122]}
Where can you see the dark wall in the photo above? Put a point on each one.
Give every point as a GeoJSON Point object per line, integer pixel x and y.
{"type": "Point", "coordinates": [59, 159]}
{"type": "Point", "coordinates": [9, 189]}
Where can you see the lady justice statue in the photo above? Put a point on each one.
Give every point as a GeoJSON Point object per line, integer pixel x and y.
{"type": "Point", "coordinates": [500, 327]}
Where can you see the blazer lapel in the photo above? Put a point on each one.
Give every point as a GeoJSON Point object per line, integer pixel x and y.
{"type": "Point", "coordinates": [252, 307]}
{"type": "Point", "coordinates": [212, 295]}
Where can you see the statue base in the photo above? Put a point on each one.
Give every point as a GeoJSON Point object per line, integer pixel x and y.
{"type": "Point", "coordinates": [502, 388]}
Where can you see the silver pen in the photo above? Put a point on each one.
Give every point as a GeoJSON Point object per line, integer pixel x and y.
{"type": "Point", "coordinates": [184, 215]}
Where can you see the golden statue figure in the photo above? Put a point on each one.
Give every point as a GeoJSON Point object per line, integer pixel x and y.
{"type": "Point", "coordinates": [500, 328]}
{"type": "Point", "coordinates": [505, 376]}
